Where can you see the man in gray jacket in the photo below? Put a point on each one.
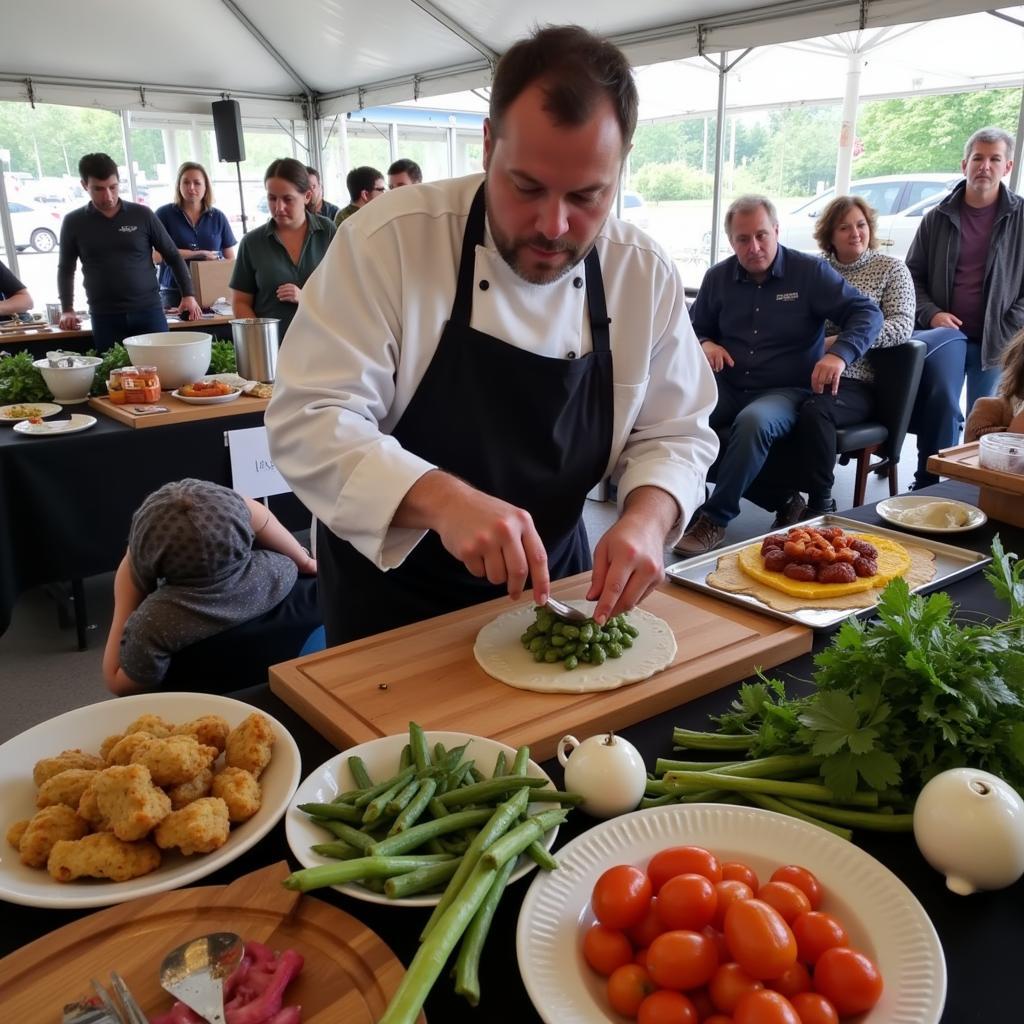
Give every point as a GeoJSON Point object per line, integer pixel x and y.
{"type": "Point", "coordinates": [967, 262]}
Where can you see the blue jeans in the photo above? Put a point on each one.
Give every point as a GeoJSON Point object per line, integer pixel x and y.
{"type": "Point", "coordinates": [937, 418]}
{"type": "Point", "coordinates": [755, 419]}
{"type": "Point", "coordinates": [110, 328]}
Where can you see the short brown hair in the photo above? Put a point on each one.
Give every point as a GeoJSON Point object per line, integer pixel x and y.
{"type": "Point", "coordinates": [577, 70]}
{"type": "Point", "coordinates": [836, 210]}
{"type": "Point", "coordinates": [1011, 383]}
{"type": "Point", "coordinates": [190, 165]}
{"type": "Point", "coordinates": [290, 170]}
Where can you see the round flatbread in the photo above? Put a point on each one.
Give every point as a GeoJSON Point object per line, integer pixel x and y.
{"type": "Point", "coordinates": [500, 654]}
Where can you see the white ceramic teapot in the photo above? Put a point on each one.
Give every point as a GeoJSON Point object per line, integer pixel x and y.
{"type": "Point", "coordinates": [969, 825]}
{"type": "Point", "coordinates": [607, 770]}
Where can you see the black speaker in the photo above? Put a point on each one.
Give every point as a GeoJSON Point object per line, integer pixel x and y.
{"type": "Point", "coordinates": [227, 124]}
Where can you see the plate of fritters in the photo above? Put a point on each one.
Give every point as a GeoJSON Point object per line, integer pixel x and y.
{"type": "Point", "coordinates": [207, 392]}
{"type": "Point", "coordinates": [138, 795]}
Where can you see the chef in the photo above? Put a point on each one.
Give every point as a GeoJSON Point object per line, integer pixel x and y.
{"type": "Point", "coordinates": [472, 356]}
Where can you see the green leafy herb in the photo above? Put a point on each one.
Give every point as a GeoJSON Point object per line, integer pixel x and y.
{"type": "Point", "coordinates": [20, 381]}
{"type": "Point", "coordinates": [113, 359]}
{"type": "Point", "coordinates": [222, 357]}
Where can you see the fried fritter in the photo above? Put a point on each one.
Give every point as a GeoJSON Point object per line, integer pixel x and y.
{"type": "Point", "coordinates": [174, 760]}
{"type": "Point", "coordinates": [127, 798]}
{"type": "Point", "coordinates": [89, 809]}
{"type": "Point", "coordinates": [50, 766]}
{"type": "Point", "coordinates": [194, 789]}
{"type": "Point", "coordinates": [209, 730]}
{"type": "Point", "coordinates": [153, 724]}
{"type": "Point", "coordinates": [250, 745]}
{"type": "Point", "coordinates": [65, 787]}
{"type": "Point", "coordinates": [123, 751]}
{"type": "Point", "coordinates": [201, 827]}
{"type": "Point", "coordinates": [15, 831]}
{"type": "Point", "coordinates": [108, 745]}
{"type": "Point", "coordinates": [101, 855]}
{"type": "Point", "coordinates": [49, 826]}
{"type": "Point", "coordinates": [239, 790]}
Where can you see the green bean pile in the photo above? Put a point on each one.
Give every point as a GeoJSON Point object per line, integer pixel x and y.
{"type": "Point", "coordinates": [437, 825]}
{"type": "Point", "coordinates": [551, 638]}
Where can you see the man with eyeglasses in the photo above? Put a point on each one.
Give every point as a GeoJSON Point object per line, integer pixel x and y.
{"type": "Point", "coordinates": [364, 184]}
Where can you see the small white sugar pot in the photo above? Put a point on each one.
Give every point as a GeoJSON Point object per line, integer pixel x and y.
{"type": "Point", "coordinates": [969, 825]}
{"type": "Point", "coordinates": [606, 770]}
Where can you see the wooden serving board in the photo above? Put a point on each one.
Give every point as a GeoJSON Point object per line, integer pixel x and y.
{"type": "Point", "coordinates": [178, 411]}
{"type": "Point", "coordinates": [349, 973]}
{"type": "Point", "coordinates": [1000, 495]}
{"type": "Point", "coordinates": [427, 672]}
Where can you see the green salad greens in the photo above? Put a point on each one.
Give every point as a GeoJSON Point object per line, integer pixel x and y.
{"type": "Point", "coordinates": [20, 381]}
{"type": "Point", "coordinates": [222, 357]}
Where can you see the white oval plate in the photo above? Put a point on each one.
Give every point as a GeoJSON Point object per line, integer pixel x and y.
{"type": "Point", "coordinates": [212, 400]}
{"type": "Point", "coordinates": [879, 912]}
{"type": "Point", "coordinates": [87, 728]}
{"type": "Point", "coordinates": [501, 655]}
{"type": "Point", "coordinates": [79, 421]}
{"type": "Point", "coordinates": [45, 409]}
{"type": "Point", "coordinates": [886, 508]}
{"type": "Point", "coordinates": [381, 760]}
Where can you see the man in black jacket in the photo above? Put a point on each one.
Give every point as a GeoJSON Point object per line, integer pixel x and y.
{"type": "Point", "coordinates": [115, 242]}
{"type": "Point", "coordinates": [967, 262]}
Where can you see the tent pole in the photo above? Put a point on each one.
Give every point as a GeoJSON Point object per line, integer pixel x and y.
{"type": "Point", "coordinates": [716, 198]}
{"type": "Point", "coordinates": [848, 125]}
{"type": "Point", "coordinates": [7, 228]}
{"type": "Point", "coordinates": [126, 134]}
{"type": "Point", "coordinates": [1015, 173]}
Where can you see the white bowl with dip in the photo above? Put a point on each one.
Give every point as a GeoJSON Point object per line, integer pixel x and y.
{"type": "Point", "coordinates": [72, 383]}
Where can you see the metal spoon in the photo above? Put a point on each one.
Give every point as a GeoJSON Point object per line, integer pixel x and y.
{"type": "Point", "coordinates": [566, 611]}
{"type": "Point", "coordinates": [195, 972]}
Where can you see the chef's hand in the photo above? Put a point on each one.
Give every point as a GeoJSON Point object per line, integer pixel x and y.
{"type": "Point", "coordinates": [189, 309]}
{"type": "Point", "coordinates": [69, 322]}
{"type": "Point", "coordinates": [288, 292]}
{"type": "Point", "coordinates": [717, 356]}
{"type": "Point", "coordinates": [629, 560]}
{"type": "Point", "coordinates": [826, 373]}
{"type": "Point", "coordinates": [489, 536]}
{"type": "Point", "coordinates": [946, 320]}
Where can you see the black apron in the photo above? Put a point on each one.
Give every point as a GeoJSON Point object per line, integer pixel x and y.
{"type": "Point", "coordinates": [532, 430]}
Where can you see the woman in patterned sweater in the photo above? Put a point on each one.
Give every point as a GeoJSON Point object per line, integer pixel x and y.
{"type": "Point", "coordinates": [846, 233]}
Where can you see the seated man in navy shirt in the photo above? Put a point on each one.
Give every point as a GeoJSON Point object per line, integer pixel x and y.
{"type": "Point", "coordinates": [760, 319]}
{"type": "Point", "coordinates": [14, 296]}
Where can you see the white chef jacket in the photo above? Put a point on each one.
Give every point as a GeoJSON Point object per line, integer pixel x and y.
{"type": "Point", "coordinates": [369, 322]}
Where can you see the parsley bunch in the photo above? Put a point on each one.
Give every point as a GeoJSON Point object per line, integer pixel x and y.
{"type": "Point", "coordinates": [20, 381]}
{"type": "Point", "coordinates": [900, 698]}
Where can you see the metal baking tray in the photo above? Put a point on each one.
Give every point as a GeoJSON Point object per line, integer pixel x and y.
{"type": "Point", "coordinates": [951, 563]}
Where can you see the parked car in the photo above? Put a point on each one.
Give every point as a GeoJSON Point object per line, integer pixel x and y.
{"type": "Point", "coordinates": [888, 196]}
{"type": "Point", "coordinates": [634, 209]}
{"type": "Point", "coordinates": [36, 227]}
{"type": "Point", "coordinates": [896, 231]}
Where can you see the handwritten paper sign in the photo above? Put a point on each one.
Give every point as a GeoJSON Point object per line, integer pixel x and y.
{"type": "Point", "coordinates": [253, 473]}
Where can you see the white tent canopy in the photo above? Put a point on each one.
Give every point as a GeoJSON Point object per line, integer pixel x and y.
{"type": "Point", "coordinates": [333, 56]}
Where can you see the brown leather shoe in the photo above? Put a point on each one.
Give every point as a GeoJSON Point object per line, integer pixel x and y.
{"type": "Point", "coordinates": [791, 512]}
{"type": "Point", "coordinates": [701, 537]}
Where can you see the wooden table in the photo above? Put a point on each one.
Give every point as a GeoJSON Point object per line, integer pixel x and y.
{"type": "Point", "coordinates": [38, 340]}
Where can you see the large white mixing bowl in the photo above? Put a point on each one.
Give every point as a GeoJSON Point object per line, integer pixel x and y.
{"type": "Point", "coordinates": [69, 385]}
{"type": "Point", "coordinates": [180, 357]}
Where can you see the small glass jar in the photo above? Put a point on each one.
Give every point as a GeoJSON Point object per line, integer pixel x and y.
{"type": "Point", "coordinates": [115, 386]}
{"type": "Point", "coordinates": [141, 385]}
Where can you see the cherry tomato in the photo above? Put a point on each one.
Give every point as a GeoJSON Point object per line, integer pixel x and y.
{"type": "Point", "coordinates": [765, 1007]}
{"type": "Point", "coordinates": [644, 933]}
{"type": "Point", "coordinates": [718, 1018]}
{"type": "Point", "coordinates": [802, 879]}
{"type": "Point", "coordinates": [795, 979]}
{"type": "Point", "coordinates": [641, 958]}
{"type": "Point", "coordinates": [606, 949]}
{"type": "Point", "coordinates": [848, 980]}
{"type": "Point", "coordinates": [814, 1008]}
{"type": "Point", "coordinates": [735, 871]}
{"type": "Point", "coordinates": [815, 932]}
{"type": "Point", "coordinates": [687, 901]}
{"type": "Point", "coordinates": [621, 897]}
{"type": "Point", "coordinates": [729, 984]}
{"type": "Point", "coordinates": [682, 959]}
{"type": "Point", "coordinates": [701, 1002]}
{"type": "Point", "coordinates": [786, 898]}
{"type": "Point", "coordinates": [628, 987]}
{"type": "Point", "coordinates": [729, 890]}
{"type": "Point", "coordinates": [718, 938]}
{"type": "Point", "coordinates": [759, 939]}
{"type": "Point", "coordinates": [683, 860]}
{"type": "Point", "coordinates": [665, 1007]}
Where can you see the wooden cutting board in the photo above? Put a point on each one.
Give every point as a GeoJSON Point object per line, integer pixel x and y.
{"type": "Point", "coordinates": [178, 411]}
{"type": "Point", "coordinates": [349, 973]}
{"type": "Point", "coordinates": [426, 672]}
{"type": "Point", "coordinates": [1000, 495]}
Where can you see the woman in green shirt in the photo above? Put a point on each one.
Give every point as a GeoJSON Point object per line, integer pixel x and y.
{"type": "Point", "coordinates": [275, 260]}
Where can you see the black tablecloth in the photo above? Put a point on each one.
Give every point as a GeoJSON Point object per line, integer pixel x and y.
{"type": "Point", "coordinates": [982, 935]}
{"type": "Point", "coordinates": [66, 502]}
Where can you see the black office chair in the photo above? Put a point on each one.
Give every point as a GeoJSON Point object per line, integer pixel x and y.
{"type": "Point", "coordinates": [897, 375]}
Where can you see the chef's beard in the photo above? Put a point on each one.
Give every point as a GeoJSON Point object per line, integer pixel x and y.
{"type": "Point", "coordinates": [516, 253]}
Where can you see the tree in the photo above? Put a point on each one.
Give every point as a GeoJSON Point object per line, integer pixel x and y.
{"type": "Point", "coordinates": [799, 150]}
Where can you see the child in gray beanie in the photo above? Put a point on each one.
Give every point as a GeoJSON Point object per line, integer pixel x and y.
{"type": "Point", "coordinates": [190, 574]}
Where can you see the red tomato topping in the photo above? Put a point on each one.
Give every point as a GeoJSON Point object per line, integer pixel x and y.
{"type": "Point", "coordinates": [621, 897]}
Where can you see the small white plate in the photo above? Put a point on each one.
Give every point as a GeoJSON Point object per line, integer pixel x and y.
{"type": "Point", "coordinates": [79, 421]}
{"type": "Point", "coordinates": [881, 915]}
{"type": "Point", "coordinates": [212, 400]}
{"type": "Point", "coordinates": [86, 728]}
{"type": "Point", "coordinates": [45, 409]}
{"type": "Point", "coordinates": [381, 760]}
{"type": "Point", "coordinates": [890, 508]}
